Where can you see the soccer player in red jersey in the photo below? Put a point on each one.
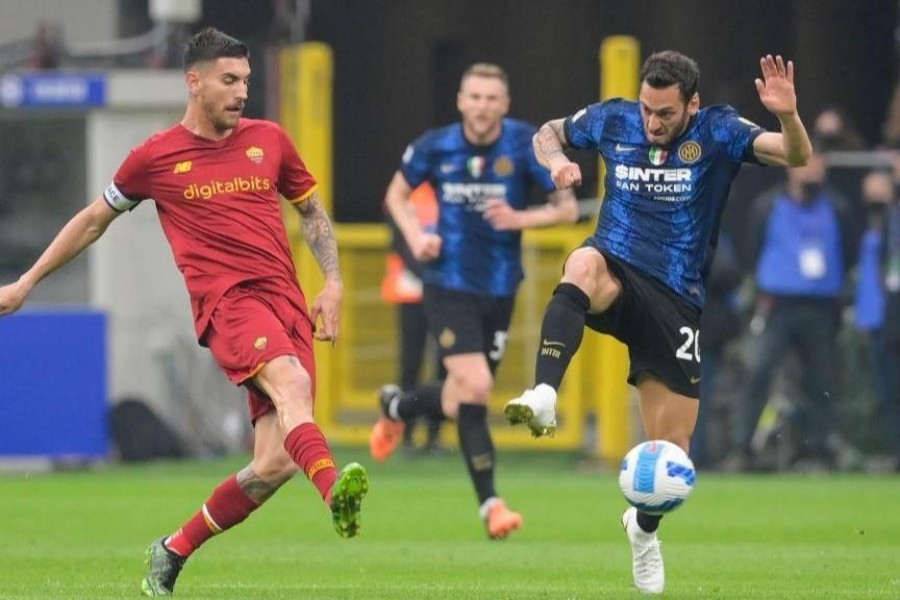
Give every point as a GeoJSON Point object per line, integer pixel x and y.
{"type": "Point", "coordinates": [215, 178]}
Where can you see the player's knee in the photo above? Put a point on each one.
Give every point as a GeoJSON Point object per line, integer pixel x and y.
{"type": "Point", "coordinates": [475, 386]}
{"type": "Point", "coordinates": [285, 380]}
{"type": "Point", "coordinates": [582, 271]}
{"type": "Point", "coordinates": [587, 269]}
{"type": "Point", "coordinates": [294, 387]}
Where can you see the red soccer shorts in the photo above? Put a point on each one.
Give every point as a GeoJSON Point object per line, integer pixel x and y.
{"type": "Point", "coordinates": [250, 327]}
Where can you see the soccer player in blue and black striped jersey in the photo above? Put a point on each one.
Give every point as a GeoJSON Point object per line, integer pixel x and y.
{"type": "Point", "coordinates": [481, 169]}
{"type": "Point", "coordinates": [640, 277]}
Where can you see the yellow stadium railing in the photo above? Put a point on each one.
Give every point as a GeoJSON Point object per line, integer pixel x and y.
{"type": "Point", "coordinates": [365, 358]}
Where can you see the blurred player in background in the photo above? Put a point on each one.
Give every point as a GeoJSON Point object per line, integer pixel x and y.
{"type": "Point", "coordinates": [216, 178]}
{"type": "Point", "coordinates": [482, 170]}
{"type": "Point", "coordinates": [640, 277]}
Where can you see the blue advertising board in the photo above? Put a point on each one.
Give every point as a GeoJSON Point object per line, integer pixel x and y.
{"type": "Point", "coordinates": [53, 90]}
{"type": "Point", "coordinates": [53, 396]}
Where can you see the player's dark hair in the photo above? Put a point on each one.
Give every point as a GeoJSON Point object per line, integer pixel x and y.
{"type": "Point", "coordinates": [209, 44]}
{"type": "Point", "coordinates": [668, 68]}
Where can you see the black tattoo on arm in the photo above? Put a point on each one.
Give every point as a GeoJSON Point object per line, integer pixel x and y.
{"type": "Point", "coordinates": [551, 138]}
{"type": "Point", "coordinates": [253, 485]}
{"type": "Point", "coordinates": [319, 235]}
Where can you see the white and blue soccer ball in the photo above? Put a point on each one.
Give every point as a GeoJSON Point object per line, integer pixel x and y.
{"type": "Point", "coordinates": [656, 477]}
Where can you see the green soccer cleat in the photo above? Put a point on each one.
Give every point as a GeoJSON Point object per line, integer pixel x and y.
{"type": "Point", "coordinates": [165, 566]}
{"type": "Point", "coordinates": [346, 498]}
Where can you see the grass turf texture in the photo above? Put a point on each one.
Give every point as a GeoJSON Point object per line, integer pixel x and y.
{"type": "Point", "coordinates": [83, 535]}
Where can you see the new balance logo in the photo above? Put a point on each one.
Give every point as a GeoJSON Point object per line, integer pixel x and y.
{"type": "Point", "coordinates": [182, 167]}
{"type": "Point", "coordinates": [621, 148]}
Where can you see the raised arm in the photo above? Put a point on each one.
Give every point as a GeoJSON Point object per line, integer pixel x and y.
{"type": "Point", "coordinates": [548, 143]}
{"type": "Point", "coordinates": [81, 231]}
{"type": "Point", "coordinates": [791, 147]}
{"type": "Point", "coordinates": [424, 246]}
{"type": "Point", "coordinates": [320, 238]}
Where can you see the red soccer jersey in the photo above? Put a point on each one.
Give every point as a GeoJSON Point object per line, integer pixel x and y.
{"type": "Point", "coordinates": [219, 208]}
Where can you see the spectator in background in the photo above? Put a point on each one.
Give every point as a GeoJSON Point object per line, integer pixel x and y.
{"type": "Point", "coordinates": [879, 279]}
{"type": "Point", "coordinates": [48, 47]}
{"type": "Point", "coordinates": [402, 287]}
{"type": "Point", "coordinates": [890, 131]}
{"type": "Point", "coordinates": [720, 324]}
{"type": "Point", "coordinates": [800, 270]}
{"type": "Point", "coordinates": [835, 133]}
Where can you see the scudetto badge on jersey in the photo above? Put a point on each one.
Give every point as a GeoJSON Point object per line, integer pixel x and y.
{"type": "Point", "coordinates": [117, 199]}
{"type": "Point", "coordinates": [658, 155]}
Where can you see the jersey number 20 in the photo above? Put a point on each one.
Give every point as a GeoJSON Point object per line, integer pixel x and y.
{"type": "Point", "coordinates": [691, 343]}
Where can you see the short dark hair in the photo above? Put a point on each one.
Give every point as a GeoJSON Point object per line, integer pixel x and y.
{"type": "Point", "coordinates": [209, 44]}
{"type": "Point", "coordinates": [667, 68]}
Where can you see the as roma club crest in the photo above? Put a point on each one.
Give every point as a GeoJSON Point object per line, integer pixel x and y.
{"type": "Point", "coordinates": [255, 154]}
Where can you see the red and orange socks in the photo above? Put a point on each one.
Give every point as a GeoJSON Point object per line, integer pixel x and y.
{"type": "Point", "coordinates": [307, 446]}
{"type": "Point", "coordinates": [227, 507]}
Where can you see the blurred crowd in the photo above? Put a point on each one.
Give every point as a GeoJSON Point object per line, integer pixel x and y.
{"type": "Point", "coordinates": [801, 343]}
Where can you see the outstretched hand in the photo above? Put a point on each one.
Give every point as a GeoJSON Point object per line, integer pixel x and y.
{"type": "Point", "coordinates": [12, 297]}
{"type": "Point", "coordinates": [776, 88]}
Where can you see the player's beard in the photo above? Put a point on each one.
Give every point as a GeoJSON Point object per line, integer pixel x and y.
{"type": "Point", "coordinates": [221, 118]}
{"type": "Point", "coordinates": [672, 134]}
{"type": "Point", "coordinates": [681, 128]}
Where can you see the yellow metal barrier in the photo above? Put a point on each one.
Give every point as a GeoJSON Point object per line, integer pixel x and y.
{"type": "Point", "coordinates": [366, 356]}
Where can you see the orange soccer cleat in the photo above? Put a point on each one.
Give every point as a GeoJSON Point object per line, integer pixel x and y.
{"type": "Point", "coordinates": [385, 437]}
{"type": "Point", "coordinates": [501, 521]}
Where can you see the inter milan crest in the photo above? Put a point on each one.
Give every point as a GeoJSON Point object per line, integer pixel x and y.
{"type": "Point", "coordinates": [476, 166]}
{"type": "Point", "coordinates": [689, 152]}
{"type": "Point", "coordinates": [658, 155]}
{"type": "Point", "coordinates": [503, 166]}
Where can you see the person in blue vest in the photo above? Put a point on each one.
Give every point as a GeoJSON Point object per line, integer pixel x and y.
{"type": "Point", "coordinates": [877, 287]}
{"type": "Point", "coordinates": [803, 252]}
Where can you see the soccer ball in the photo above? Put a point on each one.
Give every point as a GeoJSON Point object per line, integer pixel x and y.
{"type": "Point", "coordinates": [656, 477]}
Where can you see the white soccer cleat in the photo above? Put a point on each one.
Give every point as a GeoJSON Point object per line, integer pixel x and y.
{"type": "Point", "coordinates": [646, 559]}
{"type": "Point", "coordinates": [536, 408]}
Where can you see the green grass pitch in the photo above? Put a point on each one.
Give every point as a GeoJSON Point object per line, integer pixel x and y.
{"type": "Point", "coordinates": [83, 534]}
